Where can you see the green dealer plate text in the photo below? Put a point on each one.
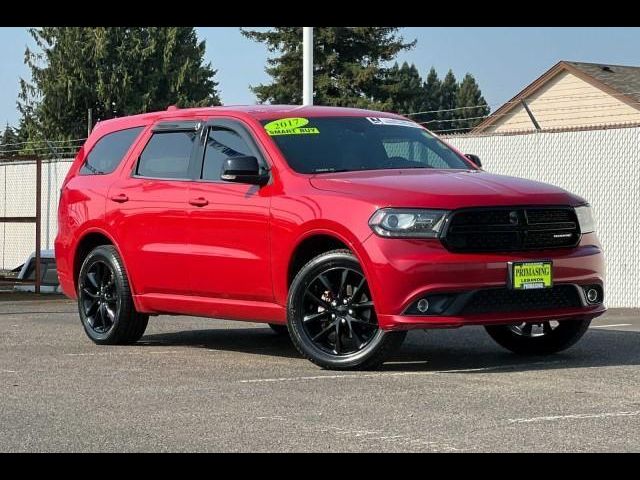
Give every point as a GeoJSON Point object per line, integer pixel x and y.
{"type": "Point", "coordinates": [529, 275]}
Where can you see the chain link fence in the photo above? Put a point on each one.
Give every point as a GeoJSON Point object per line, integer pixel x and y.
{"type": "Point", "coordinates": [17, 200]}
{"type": "Point", "coordinates": [599, 165]}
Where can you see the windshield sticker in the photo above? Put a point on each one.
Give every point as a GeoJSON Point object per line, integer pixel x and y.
{"type": "Point", "coordinates": [290, 126]}
{"type": "Point", "coordinates": [393, 121]}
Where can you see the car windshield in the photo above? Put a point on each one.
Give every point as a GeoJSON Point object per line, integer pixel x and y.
{"type": "Point", "coordinates": [339, 144]}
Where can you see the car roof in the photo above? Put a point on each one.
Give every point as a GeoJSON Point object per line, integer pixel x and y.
{"type": "Point", "coordinates": [258, 112]}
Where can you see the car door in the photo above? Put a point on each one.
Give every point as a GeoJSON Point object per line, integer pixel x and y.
{"type": "Point", "coordinates": [229, 222]}
{"type": "Point", "coordinates": [147, 209]}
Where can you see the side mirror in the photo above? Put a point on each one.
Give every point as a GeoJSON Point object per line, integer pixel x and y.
{"type": "Point", "coordinates": [475, 159]}
{"type": "Point", "coordinates": [243, 170]}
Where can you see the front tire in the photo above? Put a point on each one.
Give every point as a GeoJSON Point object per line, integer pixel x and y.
{"type": "Point", "coordinates": [331, 316]}
{"type": "Point", "coordinates": [105, 303]}
{"type": "Point", "coordinates": [542, 338]}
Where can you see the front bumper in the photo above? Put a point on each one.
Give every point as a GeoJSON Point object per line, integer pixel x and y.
{"type": "Point", "coordinates": [401, 271]}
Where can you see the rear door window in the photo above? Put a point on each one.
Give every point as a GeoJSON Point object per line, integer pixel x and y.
{"type": "Point", "coordinates": [108, 152]}
{"type": "Point", "coordinates": [167, 155]}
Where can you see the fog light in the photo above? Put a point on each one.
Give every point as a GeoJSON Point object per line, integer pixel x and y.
{"type": "Point", "coordinates": [423, 305]}
{"type": "Point", "coordinates": [592, 295]}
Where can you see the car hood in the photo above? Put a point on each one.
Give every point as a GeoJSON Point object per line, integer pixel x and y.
{"type": "Point", "coordinates": [445, 189]}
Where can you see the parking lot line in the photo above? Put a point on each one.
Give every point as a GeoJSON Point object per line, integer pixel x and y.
{"type": "Point", "coordinates": [613, 325]}
{"type": "Point", "coordinates": [574, 417]}
{"type": "Point", "coordinates": [98, 354]}
{"type": "Point", "coordinates": [392, 374]}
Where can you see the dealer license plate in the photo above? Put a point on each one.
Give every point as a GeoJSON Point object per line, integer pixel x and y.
{"type": "Point", "coordinates": [530, 275]}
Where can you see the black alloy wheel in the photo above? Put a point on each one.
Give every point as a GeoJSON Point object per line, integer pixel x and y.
{"type": "Point", "coordinates": [332, 318]}
{"type": "Point", "coordinates": [105, 302]}
{"type": "Point", "coordinates": [99, 297]}
{"type": "Point", "coordinates": [339, 316]}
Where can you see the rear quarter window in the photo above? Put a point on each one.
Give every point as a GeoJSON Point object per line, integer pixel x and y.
{"type": "Point", "coordinates": [108, 152]}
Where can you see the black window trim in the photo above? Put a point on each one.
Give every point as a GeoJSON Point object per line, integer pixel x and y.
{"type": "Point", "coordinates": [163, 128]}
{"type": "Point", "coordinates": [241, 129]}
{"type": "Point", "coordinates": [177, 126]}
{"type": "Point", "coordinates": [126, 154]}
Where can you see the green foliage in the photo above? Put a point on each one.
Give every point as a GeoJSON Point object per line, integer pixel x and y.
{"type": "Point", "coordinates": [115, 71]}
{"type": "Point", "coordinates": [8, 143]}
{"type": "Point", "coordinates": [469, 95]}
{"type": "Point", "coordinates": [404, 89]}
{"type": "Point", "coordinates": [349, 70]}
{"type": "Point", "coordinates": [348, 64]}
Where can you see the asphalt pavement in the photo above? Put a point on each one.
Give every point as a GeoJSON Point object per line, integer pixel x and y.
{"type": "Point", "coordinates": [197, 384]}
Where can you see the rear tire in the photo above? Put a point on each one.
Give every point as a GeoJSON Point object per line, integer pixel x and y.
{"type": "Point", "coordinates": [331, 316]}
{"type": "Point", "coordinates": [521, 339]}
{"type": "Point", "coordinates": [105, 304]}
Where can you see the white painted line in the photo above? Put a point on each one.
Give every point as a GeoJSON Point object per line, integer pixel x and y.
{"type": "Point", "coordinates": [574, 417]}
{"type": "Point", "coordinates": [614, 325]}
{"type": "Point", "coordinates": [8, 371]}
{"type": "Point", "coordinates": [392, 374]}
{"type": "Point", "coordinates": [412, 362]}
{"type": "Point", "coordinates": [362, 435]}
{"type": "Point", "coordinates": [119, 353]}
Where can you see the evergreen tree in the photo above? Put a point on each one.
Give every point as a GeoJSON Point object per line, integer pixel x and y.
{"type": "Point", "coordinates": [448, 102]}
{"type": "Point", "coordinates": [348, 64]}
{"type": "Point", "coordinates": [404, 90]}
{"type": "Point", "coordinates": [431, 94]}
{"type": "Point", "coordinates": [8, 143]}
{"type": "Point", "coordinates": [469, 95]}
{"type": "Point", "coordinates": [115, 71]}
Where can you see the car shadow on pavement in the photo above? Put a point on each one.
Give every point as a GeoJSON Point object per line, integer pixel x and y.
{"type": "Point", "coordinates": [467, 349]}
{"type": "Point", "coordinates": [260, 341]}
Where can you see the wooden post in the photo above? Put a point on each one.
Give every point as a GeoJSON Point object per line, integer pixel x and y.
{"type": "Point", "coordinates": [531, 117]}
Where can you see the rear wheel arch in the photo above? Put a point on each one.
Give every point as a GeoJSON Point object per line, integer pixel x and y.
{"type": "Point", "coordinates": [90, 240]}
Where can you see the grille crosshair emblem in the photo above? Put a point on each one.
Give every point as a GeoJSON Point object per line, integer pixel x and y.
{"type": "Point", "coordinates": [513, 218]}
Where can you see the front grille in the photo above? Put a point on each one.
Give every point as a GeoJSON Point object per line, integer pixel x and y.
{"type": "Point", "coordinates": [511, 229]}
{"type": "Point", "coordinates": [497, 300]}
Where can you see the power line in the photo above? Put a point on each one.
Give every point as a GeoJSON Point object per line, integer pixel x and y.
{"type": "Point", "coordinates": [542, 100]}
{"type": "Point", "coordinates": [41, 142]}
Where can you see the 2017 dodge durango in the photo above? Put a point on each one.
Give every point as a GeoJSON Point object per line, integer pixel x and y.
{"type": "Point", "coordinates": [342, 227]}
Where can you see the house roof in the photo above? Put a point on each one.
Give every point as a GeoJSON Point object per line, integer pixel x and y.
{"type": "Point", "coordinates": [622, 78]}
{"type": "Point", "coordinates": [622, 81]}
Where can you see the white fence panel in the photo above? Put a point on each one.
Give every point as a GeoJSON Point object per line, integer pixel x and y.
{"type": "Point", "coordinates": [603, 166]}
{"type": "Point", "coordinates": [17, 198]}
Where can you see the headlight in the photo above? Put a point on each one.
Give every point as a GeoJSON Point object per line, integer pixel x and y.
{"type": "Point", "coordinates": [401, 222]}
{"type": "Point", "coordinates": [585, 219]}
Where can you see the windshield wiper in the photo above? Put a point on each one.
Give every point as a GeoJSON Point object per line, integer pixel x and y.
{"type": "Point", "coordinates": [332, 170]}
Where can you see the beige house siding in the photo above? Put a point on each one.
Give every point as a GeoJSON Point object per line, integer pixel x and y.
{"type": "Point", "coordinates": [567, 101]}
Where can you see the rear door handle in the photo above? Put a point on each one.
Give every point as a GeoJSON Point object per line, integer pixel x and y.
{"type": "Point", "coordinates": [120, 198]}
{"type": "Point", "coordinates": [199, 202]}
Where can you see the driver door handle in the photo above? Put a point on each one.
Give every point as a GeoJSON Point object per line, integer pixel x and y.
{"type": "Point", "coordinates": [199, 202]}
{"type": "Point", "coordinates": [119, 198]}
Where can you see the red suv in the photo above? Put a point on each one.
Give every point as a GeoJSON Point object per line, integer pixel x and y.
{"type": "Point", "coordinates": [343, 227]}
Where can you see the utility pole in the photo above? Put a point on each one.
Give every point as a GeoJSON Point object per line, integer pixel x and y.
{"type": "Point", "coordinates": [89, 123]}
{"type": "Point", "coordinates": [307, 65]}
